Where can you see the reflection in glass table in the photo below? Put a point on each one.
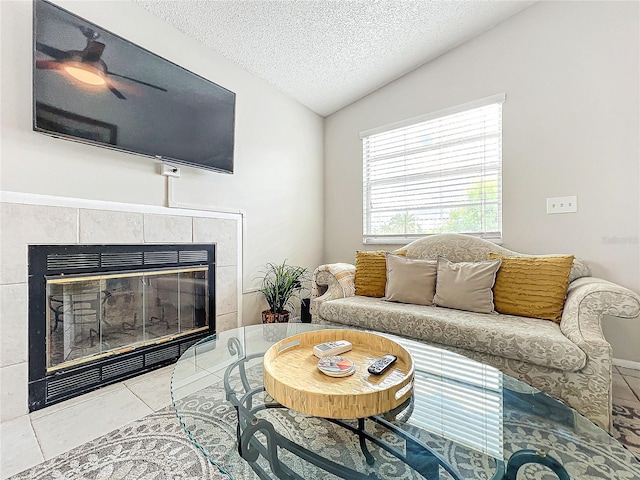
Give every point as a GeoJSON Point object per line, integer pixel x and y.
{"type": "Point", "coordinates": [465, 420]}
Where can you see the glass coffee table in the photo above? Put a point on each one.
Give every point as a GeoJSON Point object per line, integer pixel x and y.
{"type": "Point", "coordinates": [465, 420]}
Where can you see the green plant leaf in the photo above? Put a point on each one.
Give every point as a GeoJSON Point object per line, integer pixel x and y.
{"type": "Point", "coordinates": [282, 282]}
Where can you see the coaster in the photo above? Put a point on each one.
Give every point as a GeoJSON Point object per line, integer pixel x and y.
{"type": "Point", "coordinates": [336, 366]}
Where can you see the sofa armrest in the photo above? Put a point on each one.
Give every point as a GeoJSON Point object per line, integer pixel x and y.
{"type": "Point", "coordinates": [332, 281]}
{"type": "Point", "coordinates": [588, 299]}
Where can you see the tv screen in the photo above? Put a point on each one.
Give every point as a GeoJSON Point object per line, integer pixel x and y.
{"type": "Point", "coordinates": [95, 87]}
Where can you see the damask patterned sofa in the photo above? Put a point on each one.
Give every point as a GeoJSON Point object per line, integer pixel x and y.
{"type": "Point", "coordinates": [571, 360]}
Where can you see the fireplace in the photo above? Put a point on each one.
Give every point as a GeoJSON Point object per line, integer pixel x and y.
{"type": "Point", "coordinates": [99, 314]}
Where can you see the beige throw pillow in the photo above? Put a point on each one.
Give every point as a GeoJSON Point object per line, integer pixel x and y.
{"type": "Point", "coordinates": [466, 285]}
{"type": "Point", "coordinates": [410, 280]}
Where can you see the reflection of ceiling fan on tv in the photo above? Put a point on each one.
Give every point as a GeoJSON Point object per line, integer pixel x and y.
{"type": "Point", "coordinates": [85, 65]}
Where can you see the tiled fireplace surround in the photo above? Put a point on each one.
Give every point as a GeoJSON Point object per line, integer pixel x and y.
{"type": "Point", "coordinates": [35, 219]}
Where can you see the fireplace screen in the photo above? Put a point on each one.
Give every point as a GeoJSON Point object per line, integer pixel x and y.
{"type": "Point", "coordinates": [102, 315]}
{"type": "Point", "coordinates": [99, 314]}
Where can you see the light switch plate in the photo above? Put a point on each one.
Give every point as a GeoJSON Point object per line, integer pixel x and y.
{"type": "Point", "coordinates": [562, 204]}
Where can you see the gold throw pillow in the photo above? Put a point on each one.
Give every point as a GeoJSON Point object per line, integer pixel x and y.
{"type": "Point", "coordinates": [371, 273]}
{"type": "Point", "coordinates": [532, 286]}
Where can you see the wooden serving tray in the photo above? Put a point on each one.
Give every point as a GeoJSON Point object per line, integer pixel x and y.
{"type": "Point", "coordinates": [292, 378]}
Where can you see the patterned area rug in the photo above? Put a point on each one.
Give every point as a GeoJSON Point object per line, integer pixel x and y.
{"type": "Point", "coordinates": [156, 448]}
{"type": "Point", "coordinates": [626, 425]}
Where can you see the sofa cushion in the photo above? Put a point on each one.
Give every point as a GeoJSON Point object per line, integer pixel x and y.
{"type": "Point", "coordinates": [466, 285]}
{"type": "Point", "coordinates": [532, 286]}
{"type": "Point", "coordinates": [371, 273]}
{"type": "Point", "coordinates": [527, 339]}
{"type": "Point", "coordinates": [410, 280]}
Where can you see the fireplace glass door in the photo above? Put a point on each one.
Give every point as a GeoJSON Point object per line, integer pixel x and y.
{"type": "Point", "coordinates": [101, 315]}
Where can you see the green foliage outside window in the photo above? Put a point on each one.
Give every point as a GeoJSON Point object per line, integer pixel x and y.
{"type": "Point", "coordinates": [466, 219]}
{"type": "Point", "coordinates": [400, 223]}
{"type": "Point", "coordinates": [469, 219]}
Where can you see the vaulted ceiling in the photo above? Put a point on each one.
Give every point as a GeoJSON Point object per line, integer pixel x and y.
{"type": "Point", "coordinates": [327, 54]}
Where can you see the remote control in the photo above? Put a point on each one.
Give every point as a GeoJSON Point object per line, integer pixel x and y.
{"type": "Point", "coordinates": [381, 365]}
{"type": "Point", "coordinates": [331, 348]}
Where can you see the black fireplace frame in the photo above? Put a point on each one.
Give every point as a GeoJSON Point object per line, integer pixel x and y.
{"type": "Point", "coordinates": [48, 388]}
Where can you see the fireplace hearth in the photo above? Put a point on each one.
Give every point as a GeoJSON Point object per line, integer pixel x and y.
{"type": "Point", "coordinates": [99, 314]}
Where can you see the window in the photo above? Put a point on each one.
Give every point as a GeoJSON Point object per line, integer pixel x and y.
{"type": "Point", "coordinates": [437, 173]}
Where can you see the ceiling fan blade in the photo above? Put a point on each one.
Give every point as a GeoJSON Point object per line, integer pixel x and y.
{"type": "Point", "coordinates": [116, 92]}
{"type": "Point", "coordinates": [51, 51]}
{"type": "Point", "coordinates": [48, 64]}
{"type": "Point", "coordinates": [138, 81]}
{"type": "Point", "coordinates": [93, 51]}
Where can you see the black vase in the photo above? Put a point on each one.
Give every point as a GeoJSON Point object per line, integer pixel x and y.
{"type": "Point", "coordinates": [305, 314]}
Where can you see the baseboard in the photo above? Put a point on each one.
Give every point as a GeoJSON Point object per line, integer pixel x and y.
{"type": "Point", "coordinates": [626, 364]}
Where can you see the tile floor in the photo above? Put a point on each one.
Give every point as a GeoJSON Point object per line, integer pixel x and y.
{"type": "Point", "coordinates": [41, 435]}
{"type": "Point", "coordinates": [34, 438]}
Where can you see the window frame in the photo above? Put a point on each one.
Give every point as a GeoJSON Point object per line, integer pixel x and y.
{"type": "Point", "coordinates": [401, 239]}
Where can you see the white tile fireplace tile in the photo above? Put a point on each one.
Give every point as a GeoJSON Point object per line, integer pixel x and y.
{"type": "Point", "coordinates": [19, 448]}
{"type": "Point", "coordinates": [70, 427]}
{"type": "Point", "coordinates": [13, 324]}
{"type": "Point", "coordinates": [13, 391]}
{"type": "Point", "coordinates": [167, 229]}
{"type": "Point", "coordinates": [153, 388]}
{"type": "Point", "coordinates": [224, 232]}
{"type": "Point", "coordinates": [104, 226]}
{"type": "Point", "coordinates": [21, 225]}
{"type": "Point", "coordinates": [226, 290]}
{"type": "Point", "coordinates": [226, 321]}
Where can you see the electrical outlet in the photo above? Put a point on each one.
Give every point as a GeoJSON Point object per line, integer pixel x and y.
{"type": "Point", "coordinates": [170, 170]}
{"type": "Point", "coordinates": [562, 204]}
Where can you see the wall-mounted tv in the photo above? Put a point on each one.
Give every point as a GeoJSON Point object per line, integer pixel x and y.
{"type": "Point", "coordinates": [92, 86]}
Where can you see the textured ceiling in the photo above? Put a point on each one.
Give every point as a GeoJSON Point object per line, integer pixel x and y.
{"type": "Point", "coordinates": [327, 54]}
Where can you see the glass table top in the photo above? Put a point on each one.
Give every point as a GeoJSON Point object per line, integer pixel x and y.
{"type": "Point", "coordinates": [465, 420]}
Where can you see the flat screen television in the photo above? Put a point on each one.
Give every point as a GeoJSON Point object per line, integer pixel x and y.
{"type": "Point", "coordinates": [92, 86]}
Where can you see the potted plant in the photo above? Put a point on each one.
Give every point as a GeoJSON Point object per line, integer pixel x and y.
{"type": "Point", "coordinates": [281, 283]}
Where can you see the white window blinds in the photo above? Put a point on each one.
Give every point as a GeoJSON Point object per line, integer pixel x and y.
{"type": "Point", "coordinates": [437, 173]}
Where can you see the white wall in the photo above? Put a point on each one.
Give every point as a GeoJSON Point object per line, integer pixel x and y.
{"type": "Point", "coordinates": [570, 71]}
{"type": "Point", "coordinates": [278, 152]}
